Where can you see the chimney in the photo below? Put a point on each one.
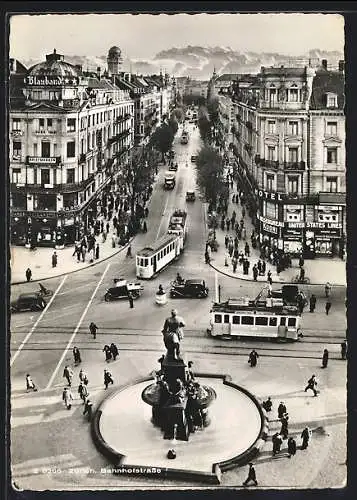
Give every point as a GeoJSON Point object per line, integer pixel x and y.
{"type": "Point", "coordinates": [341, 66]}
{"type": "Point", "coordinates": [324, 63]}
{"type": "Point", "coordinates": [98, 72]}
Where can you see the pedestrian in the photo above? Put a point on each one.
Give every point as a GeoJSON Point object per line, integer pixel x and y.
{"type": "Point", "coordinates": [128, 252]}
{"type": "Point", "coordinates": [114, 350]}
{"type": "Point", "coordinates": [269, 278]}
{"type": "Point", "coordinates": [97, 251]}
{"type": "Point", "coordinates": [327, 307]}
{"type": "Point", "coordinates": [253, 357]}
{"type": "Point", "coordinates": [88, 409]}
{"type": "Point", "coordinates": [305, 436]}
{"type": "Point", "coordinates": [76, 355]}
{"type": "Point", "coordinates": [251, 476]}
{"type": "Point", "coordinates": [93, 329]}
{"type": "Point", "coordinates": [30, 385]}
{"type": "Point", "coordinates": [145, 227]}
{"type": "Point", "coordinates": [312, 303]}
{"type": "Point", "coordinates": [68, 374]}
{"type": "Point", "coordinates": [108, 353]}
{"type": "Point", "coordinates": [246, 249]}
{"type": "Point", "coordinates": [268, 404]}
{"type": "Point", "coordinates": [107, 227]}
{"type": "Point", "coordinates": [284, 431]}
{"type": "Point", "coordinates": [243, 212]}
{"type": "Point", "coordinates": [54, 259]}
{"type": "Point", "coordinates": [67, 397]}
{"type": "Point", "coordinates": [327, 290]}
{"type": "Point", "coordinates": [277, 442]}
{"type": "Point", "coordinates": [312, 384]}
{"type": "Point", "coordinates": [234, 264]}
{"type": "Point", "coordinates": [83, 377]}
{"type": "Point", "coordinates": [281, 410]}
{"type": "Point", "coordinates": [344, 349]}
{"type": "Point", "coordinates": [325, 358]}
{"type": "Point", "coordinates": [255, 272]}
{"type": "Point", "coordinates": [83, 392]}
{"type": "Point", "coordinates": [131, 300]}
{"type": "Point", "coordinates": [264, 267]}
{"type": "Point", "coordinates": [28, 274]}
{"type": "Point", "coordinates": [226, 240]}
{"type": "Point", "coordinates": [207, 257]}
{"type": "Point", "coordinates": [301, 261]}
{"type": "Point", "coordinates": [108, 379]}
{"type": "Point", "coordinates": [291, 446]}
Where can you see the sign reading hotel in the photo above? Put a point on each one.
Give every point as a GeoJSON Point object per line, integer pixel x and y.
{"type": "Point", "coordinates": [51, 81]}
{"type": "Point", "coordinates": [267, 195]}
{"type": "Point", "coordinates": [53, 160]}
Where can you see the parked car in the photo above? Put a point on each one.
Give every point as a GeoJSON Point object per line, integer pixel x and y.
{"type": "Point", "coordinates": [169, 181]}
{"type": "Point", "coordinates": [289, 295]}
{"type": "Point", "coordinates": [194, 288]}
{"type": "Point", "coordinates": [190, 196]}
{"type": "Point", "coordinates": [173, 167]}
{"type": "Point", "coordinates": [193, 158]}
{"type": "Point", "coordinates": [28, 302]}
{"type": "Point", "coordinates": [172, 154]}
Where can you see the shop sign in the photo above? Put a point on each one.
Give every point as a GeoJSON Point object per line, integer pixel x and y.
{"type": "Point", "coordinates": [267, 195]}
{"type": "Point", "coordinates": [39, 159]}
{"type": "Point", "coordinates": [314, 225]}
{"type": "Point", "coordinates": [327, 233]}
{"type": "Point", "coordinates": [38, 215]}
{"type": "Point", "coordinates": [269, 228]}
{"type": "Point", "coordinates": [50, 80]}
{"type": "Point", "coordinates": [292, 233]}
{"type": "Point", "coordinates": [270, 221]}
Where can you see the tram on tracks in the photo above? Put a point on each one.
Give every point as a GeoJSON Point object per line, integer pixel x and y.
{"type": "Point", "coordinates": [153, 259]}
{"type": "Point", "coordinates": [258, 318]}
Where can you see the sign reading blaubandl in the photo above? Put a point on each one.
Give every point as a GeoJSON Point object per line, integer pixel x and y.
{"type": "Point", "coordinates": [51, 81]}
{"type": "Point", "coordinates": [39, 159]}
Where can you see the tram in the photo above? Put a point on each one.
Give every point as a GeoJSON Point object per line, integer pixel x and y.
{"type": "Point", "coordinates": [151, 260]}
{"type": "Point", "coordinates": [268, 318]}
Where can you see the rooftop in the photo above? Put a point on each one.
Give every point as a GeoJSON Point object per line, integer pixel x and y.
{"type": "Point", "coordinates": [324, 82]}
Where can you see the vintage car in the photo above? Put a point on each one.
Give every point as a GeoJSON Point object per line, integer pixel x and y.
{"type": "Point", "coordinates": [173, 167]}
{"type": "Point", "coordinates": [193, 158]}
{"type": "Point", "coordinates": [172, 154]}
{"type": "Point", "coordinates": [194, 288]}
{"type": "Point", "coordinates": [169, 181]}
{"type": "Point", "coordinates": [289, 294]}
{"type": "Point", "coordinates": [121, 290]}
{"type": "Point", "coordinates": [28, 302]}
{"type": "Point", "coordinates": [190, 196]}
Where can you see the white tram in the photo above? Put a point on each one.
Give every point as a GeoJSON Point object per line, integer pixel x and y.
{"type": "Point", "coordinates": [151, 260]}
{"type": "Point", "coordinates": [268, 319]}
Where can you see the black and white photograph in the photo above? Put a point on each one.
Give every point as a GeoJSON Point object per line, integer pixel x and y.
{"type": "Point", "coordinates": [178, 249]}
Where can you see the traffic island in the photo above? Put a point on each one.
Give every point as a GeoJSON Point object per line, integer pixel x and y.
{"type": "Point", "coordinates": [123, 431]}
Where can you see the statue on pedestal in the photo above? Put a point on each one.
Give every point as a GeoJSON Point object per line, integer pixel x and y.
{"type": "Point", "coordinates": [173, 334]}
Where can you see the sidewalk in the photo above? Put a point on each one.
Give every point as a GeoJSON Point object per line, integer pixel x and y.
{"type": "Point", "coordinates": [39, 260]}
{"type": "Point", "coordinates": [318, 271]}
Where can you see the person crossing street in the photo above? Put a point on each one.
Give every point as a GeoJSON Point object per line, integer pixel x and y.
{"type": "Point", "coordinates": [114, 350]}
{"type": "Point", "coordinates": [68, 374]}
{"type": "Point", "coordinates": [312, 384]}
{"type": "Point", "coordinates": [93, 329]}
{"type": "Point", "coordinates": [28, 274]}
{"type": "Point", "coordinates": [108, 379]}
{"type": "Point", "coordinates": [83, 392]}
{"type": "Point", "coordinates": [88, 409]}
{"type": "Point", "coordinates": [30, 385]}
{"type": "Point", "coordinates": [83, 377]}
{"type": "Point", "coordinates": [67, 398]}
{"type": "Point", "coordinates": [253, 357]}
{"type": "Point", "coordinates": [251, 476]}
{"type": "Point", "coordinates": [305, 436]}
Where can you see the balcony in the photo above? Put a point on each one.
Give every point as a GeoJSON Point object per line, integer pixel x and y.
{"type": "Point", "coordinates": [122, 118]}
{"type": "Point", "coordinates": [48, 131]}
{"type": "Point", "coordinates": [297, 165]}
{"type": "Point", "coordinates": [274, 164]}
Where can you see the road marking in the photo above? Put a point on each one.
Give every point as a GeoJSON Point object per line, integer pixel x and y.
{"type": "Point", "coordinates": [76, 329]}
{"type": "Point", "coordinates": [36, 323]}
{"type": "Point", "coordinates": [162, 218]}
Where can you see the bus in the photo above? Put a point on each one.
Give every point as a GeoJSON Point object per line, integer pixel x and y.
{"type": "Point", "coordinates": [178, 223]}
{"type": "Point", "coordinates": [268, 318]}
{"type": "Point", "coordinates": [153, 259]}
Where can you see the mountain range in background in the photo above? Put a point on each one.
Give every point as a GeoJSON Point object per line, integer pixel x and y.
{"type": "Point", "coordinates": [199, 62]}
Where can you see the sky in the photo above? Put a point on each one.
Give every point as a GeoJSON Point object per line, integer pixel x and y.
{"type": "Point", "coordinates": [142, 36]}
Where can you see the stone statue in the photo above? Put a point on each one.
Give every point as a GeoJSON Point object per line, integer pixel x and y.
{"type": "Point", "coordinates": [173, 334]}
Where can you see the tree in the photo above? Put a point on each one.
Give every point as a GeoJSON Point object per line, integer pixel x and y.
{"type": "Point", "coordinates": [173, 124]}
{"type": "Point", "coordinates": [137, 173]}
{"type": "Point", "coordinates": [210, 169]}
{"type": "Point", "coordinates": [179, 114]}
{"type": "Point", "coordinates": [213, 110]}
{"type": "Point", "coordinates": [196, 99]}
{"type": "Point", "coordinates": [204, 126]}
{"type": "Point", "coordinates": [162, 139]}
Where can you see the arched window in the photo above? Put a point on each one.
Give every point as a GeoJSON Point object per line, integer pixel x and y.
{"type": "Point", "coordinates": [294, 93]}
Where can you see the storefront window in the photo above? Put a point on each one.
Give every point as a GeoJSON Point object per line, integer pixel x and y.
{"type": "Point", "coordinates": [19, 201]}
{"type": "Point", "coordinates": [46, 202]}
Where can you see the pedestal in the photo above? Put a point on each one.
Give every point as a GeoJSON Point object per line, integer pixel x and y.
{"type": "Point", "coordinates": [175, 422]}
{"type": "Point", "coordinates": [173, 369]}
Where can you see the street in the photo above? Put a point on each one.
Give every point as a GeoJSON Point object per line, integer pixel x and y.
{"type": "Point", "coordinates": [52, 447]}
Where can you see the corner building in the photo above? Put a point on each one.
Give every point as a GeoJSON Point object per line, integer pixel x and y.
{"type": "Point", "coordinates": [289, 149]}
{"type": "Point", "coordinates": [69, 132]}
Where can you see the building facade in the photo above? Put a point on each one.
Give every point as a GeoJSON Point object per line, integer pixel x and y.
{"type": "Point", "coordinates": [288, 141]}
{"type": "Point", "coordinates": [69, 131]}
